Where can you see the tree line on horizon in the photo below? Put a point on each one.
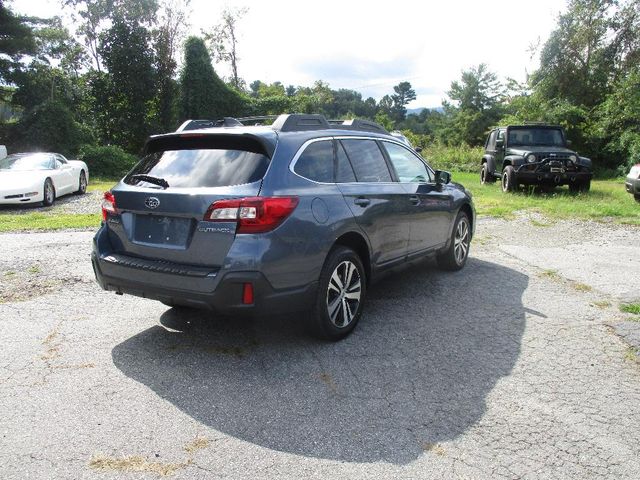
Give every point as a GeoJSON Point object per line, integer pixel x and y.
{"type": "Point", "coordinates": [115, 81]}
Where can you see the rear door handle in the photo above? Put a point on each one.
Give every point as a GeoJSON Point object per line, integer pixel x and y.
{"type": "Point", "coordinates": [363, 202]}
{"type": "Point", "coordinates": [414, 199]}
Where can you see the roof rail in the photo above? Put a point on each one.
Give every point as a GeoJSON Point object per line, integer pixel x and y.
{"type": "Point", "coordinates": [295, 122]}
{"type": "Point", "coordinates": [198, 124]}
{"type": "Point", "coordinates": [366, 125]}
{"type": "Point", "coordinates": [298, 122]}
{"type": "Point", "coordinates": [257, 119]}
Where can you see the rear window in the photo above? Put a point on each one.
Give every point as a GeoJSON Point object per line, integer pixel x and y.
{"type": "Point", "coordinates": [316, 162]}
{"type": "Point", "coordinates": [199, 163]}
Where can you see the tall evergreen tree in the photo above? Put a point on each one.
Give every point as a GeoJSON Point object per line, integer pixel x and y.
{"type": "Point", "coordinates": [203, 94]}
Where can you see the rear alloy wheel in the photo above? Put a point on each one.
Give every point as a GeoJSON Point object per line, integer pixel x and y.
{"type": "Point", "coordinates": [455, 257]}
{"type": "Point", "coordinates": [82, 184]}
{"type": "Point", "coordinates": [49, 193]}
{"type": "Point", "coordinates": [509, 179]}
{"type": "Point", "coordinates": [341, 293]}
{"type": "Point", "coordinates": [485, 175]}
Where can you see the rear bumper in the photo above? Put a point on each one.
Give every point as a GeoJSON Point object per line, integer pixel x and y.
{"type": "Point", "coordinates": [200, 287]}
{"type": "Point", "coordinates": [555, 178]}
{"type": "Point", "coordinates": [632, 185]}
{"type": "Point", "coordinates": [223, 295]}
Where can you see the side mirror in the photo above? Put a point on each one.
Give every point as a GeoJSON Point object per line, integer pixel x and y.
{"type": "Point", "coordinates": [500, 143]}
{"type": "Point", "coordinates": [442, 177]}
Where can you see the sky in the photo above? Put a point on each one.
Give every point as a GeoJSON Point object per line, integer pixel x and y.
{"type": "Point", "coordinates": [372, 46]}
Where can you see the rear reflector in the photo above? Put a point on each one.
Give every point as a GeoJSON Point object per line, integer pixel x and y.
{"type": "Point", "coordinates": [252, 214]}
{"type": "Point", "coordinates": [108, 205]}
{"type": "Point", "coordinates": [247, 294]}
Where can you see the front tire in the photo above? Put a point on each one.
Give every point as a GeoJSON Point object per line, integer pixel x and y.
{"type": "Point", "coordinates": [509, 183]}
{"type": "Point", "coordinates": [341, 293]}
{"type": "Point", "coordinates": [82, 183]}
{"type": "Point", "coordinates": [49, 193]}
{"type": "Point", "coordinates": [455, 257]}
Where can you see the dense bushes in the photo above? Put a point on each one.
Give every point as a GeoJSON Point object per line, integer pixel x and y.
{"type": "Point", "coordinates": [107, 161]}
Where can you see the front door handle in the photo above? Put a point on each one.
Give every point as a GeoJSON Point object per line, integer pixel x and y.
{"type": "Point", "coordinates": [414, 199]}
{"type": "Point", "coordinates": [363, 202]}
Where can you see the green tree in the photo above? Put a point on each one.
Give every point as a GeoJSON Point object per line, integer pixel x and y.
{"type": "Point", "coordinates": [403, 95]}
{"type": "Point", "coordinates": [475, 106]}
{"type": "Point", "coordinates": [203, 94]}
{"type": "Point", "coordinates": [126, 95]}
{"type": "Point", "coordinates": [223, 42]}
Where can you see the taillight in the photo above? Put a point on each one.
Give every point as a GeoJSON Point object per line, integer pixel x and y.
{"type": "Point", "coordinates": [252, 214]}
{"type": "Point", "coordinates": [108, 205]}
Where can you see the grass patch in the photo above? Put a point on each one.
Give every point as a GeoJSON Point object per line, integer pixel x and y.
{"type": "Point", "coordinates": [630, 308]}
{"type": "Point", "coordinates": [135, 463]}
{"type": "Point", "coordinates": [48, 221]}
{"type": "Point", "coordinates": [632, 354]}
{"type": "Point", "coordinates": [551, 274]}
{"type": "Point", "coordinates": [607, 200]}
{"type": "Point", "coordinates": [196, 444]}
{"type": "Point", "coordinates": [581, 287]}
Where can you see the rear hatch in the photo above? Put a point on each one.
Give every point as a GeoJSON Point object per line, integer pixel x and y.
{"type": "Point", "coordinates": [160, 206]}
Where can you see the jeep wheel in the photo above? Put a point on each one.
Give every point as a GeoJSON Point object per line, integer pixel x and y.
{"type": "Point", "coordinates": [585, 186]}
{"type": "Point", "coordinates": [341, 293]}
{"type": "Point", "coordinates": [637, 197]}
{"type": "Point", "coordinates": [574, 187]}
{"type": "Point", "coordinates": [454, 257]}
{"type": "Point", "coordinates": [509, 183]}
{"type": "Point", "coordinates": [485, 175]}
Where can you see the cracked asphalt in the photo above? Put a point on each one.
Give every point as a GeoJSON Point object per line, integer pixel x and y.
{"type": "Point", "coordinates": [513, 368]}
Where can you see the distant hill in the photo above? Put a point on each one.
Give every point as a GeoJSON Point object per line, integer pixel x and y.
{"type": "Point", "coordinates": [418, 111]}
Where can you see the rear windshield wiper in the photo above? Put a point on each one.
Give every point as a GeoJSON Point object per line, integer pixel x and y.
{"type": "Point", "coordinates": [151, 179]}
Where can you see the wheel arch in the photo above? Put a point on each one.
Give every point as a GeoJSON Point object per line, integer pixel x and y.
{"type": "Point", "coordinates": [358, 244]}
{"type": "Point", "coordinates": [466, 208]}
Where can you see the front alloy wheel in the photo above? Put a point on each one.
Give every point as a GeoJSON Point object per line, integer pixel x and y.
{"type": "Point", "coordinates": [49, 193]}
{"type": "Point", "coordinates": [455, 257]}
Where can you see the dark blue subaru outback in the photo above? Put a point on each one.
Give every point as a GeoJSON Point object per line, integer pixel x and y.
{"type": "Point", "coordinates": [300, 215]}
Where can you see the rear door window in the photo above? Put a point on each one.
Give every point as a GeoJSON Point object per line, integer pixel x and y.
{"type": "Point", "coordinates": [201, 163]}
{"type": "Point", "coordinates": [367, 160]}
{"type": "Point", "coordinates": [316, 162]}
{"type": "Point", "coordinates": [344, 172]}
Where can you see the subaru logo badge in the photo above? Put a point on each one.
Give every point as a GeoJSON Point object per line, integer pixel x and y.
{"type": "Point", "coordinates": [152, 202]}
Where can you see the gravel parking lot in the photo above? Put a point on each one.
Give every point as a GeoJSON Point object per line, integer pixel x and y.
{"type": "Point", "coordinates": [512, 368]}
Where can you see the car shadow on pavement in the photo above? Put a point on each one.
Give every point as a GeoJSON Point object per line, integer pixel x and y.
{"type": "Point", "coordinates": [417, 370]}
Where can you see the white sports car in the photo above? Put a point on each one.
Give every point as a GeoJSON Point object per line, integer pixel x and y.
{"type": "Point", "coordinates": [40, 177]}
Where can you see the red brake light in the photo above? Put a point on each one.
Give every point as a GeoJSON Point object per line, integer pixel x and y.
{"type": "Point", "coordinates": [108, 205]}
{"type": "Point", "coordinates": [253, 214]}
{"type": "Point", "coordinates": [247, 293]}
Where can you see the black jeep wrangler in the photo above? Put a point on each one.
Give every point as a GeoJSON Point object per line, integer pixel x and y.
{"type": "Point", "coordinates": [533, 154]}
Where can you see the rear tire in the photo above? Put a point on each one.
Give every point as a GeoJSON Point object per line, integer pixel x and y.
{"type": "Point", "coordinates": [49, 193]}
{"type": "Point", "coordinates": [82, 184]}
{"type": "Point", "coordinates": [341, 293]}
{"type": "Point", "coordinates": [455, 257]}
{"type": "Point", "coordinates": [509, 183]}
{"type": "Point", "coordinates": [585, 186]}
{"type": "Point", "coordinates": [485, 175]}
